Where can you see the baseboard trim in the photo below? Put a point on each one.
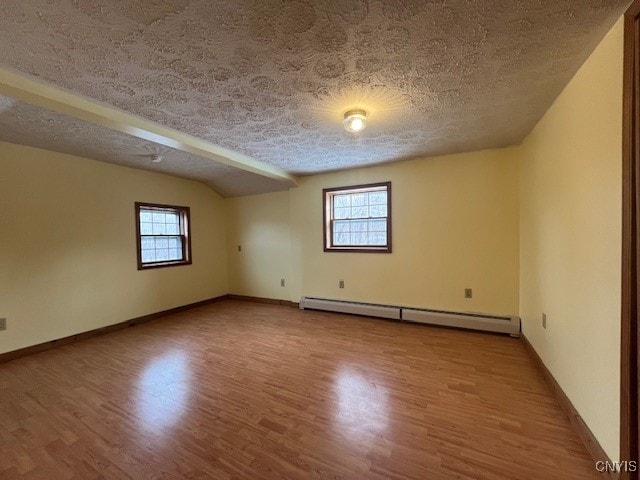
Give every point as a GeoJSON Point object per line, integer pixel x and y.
{"type": "Point", "coordinates": [586, 435]}
{"type": "Point", "coordinates": [271, 301]}
{"type": "Point", "coordinates": [41, 347]}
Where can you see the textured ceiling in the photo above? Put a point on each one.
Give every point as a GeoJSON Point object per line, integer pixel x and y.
{"type": "Point", "coordinates": [29, 125]}
{"type": "Point", "coordinates": [272, 78]}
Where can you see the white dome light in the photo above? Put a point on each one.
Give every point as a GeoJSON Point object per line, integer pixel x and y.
{"type": "Point", "coordinates": [355, 121]}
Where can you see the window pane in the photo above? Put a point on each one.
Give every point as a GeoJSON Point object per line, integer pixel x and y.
{"type": "Point", "coordinates": [359, 238]}
{"type": "Point", "coordinates": [378, 198]}
{"type": "Point", "coordinates": [360, 232]}
{"type": "Point", "coordinates": [341, 230]}
{"type": "Point", "coordinates": [148, 256]}
{"type": "Point", "coordinates": [342, 201]}
{"type": "Point", "coordinates": [377, 238]}
{"type": "Point", "coordinates": [161, 248]}
{"type": "Point", "coordinates": [360, 212]}
{"type": "Point", "coordinates": [148, 243]}
{"type": "Point", "coordinates": [161, 234]}
{"type": "Point", "coordinates": [359, 216]}
{"type": "Point", "coordinates": [146, 228]}
{"type": "Point", "coordinates": [145, 216]}
{"type": "Point", "coordinates": [159, 229]}
{"type": "Point", "coordinates": [359, 225]}
{"type": "Point", "coordinates": [358, 199]}
{"type": "Point", "coordinates": [341, 226]}
{"type": "Point", "coordinates": [341, 239]}
{"type": "Point", "coordinates": [339, 213]}
{"type": "Point", "coordinates": [172, 218]}
{"type": "Point", "coordinates": [378, 210]}
{"type": "Point", "coordinates": [377, 225]}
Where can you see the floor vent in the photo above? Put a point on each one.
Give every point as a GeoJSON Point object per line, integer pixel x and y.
{"type": "Point", "coordinates": [473, 321]}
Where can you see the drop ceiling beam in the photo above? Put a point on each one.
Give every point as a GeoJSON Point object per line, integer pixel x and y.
{"type": "Point", "coordinates": [33, 91]}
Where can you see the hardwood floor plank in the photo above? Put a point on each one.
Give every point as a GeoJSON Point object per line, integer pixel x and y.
{"type": "Point", "coordinates": [243, 390]}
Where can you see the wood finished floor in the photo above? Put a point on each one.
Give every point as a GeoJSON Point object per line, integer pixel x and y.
{"type": "Point", "coordinates": [239, 390]}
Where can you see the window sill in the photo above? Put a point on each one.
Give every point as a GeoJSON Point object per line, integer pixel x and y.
{"type": "Point", "coordinates": [147, 266]}
{"type": "Point", "coordinates": [358, 249]}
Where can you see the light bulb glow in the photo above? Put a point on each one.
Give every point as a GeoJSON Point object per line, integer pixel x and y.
{"type": "Point", "coordinates": [357, 124]}
{"type": "Point", "coordinates": [355, 121]}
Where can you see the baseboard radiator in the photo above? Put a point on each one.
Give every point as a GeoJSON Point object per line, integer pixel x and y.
{"type": "Point", "coordinates": [473, 321]}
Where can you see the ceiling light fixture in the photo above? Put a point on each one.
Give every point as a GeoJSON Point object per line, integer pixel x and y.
{"type": "Point", "coordinates": [355, 121]}
{"type": "Point", "coordinates": [156, 158]}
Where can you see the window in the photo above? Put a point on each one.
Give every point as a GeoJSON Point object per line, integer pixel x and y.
{"type": "Point", "coordinates": [357, 218]}
{"type": "Point", "coordinates": [164, 237]}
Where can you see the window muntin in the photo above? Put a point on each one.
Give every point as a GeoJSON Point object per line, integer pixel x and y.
{"type": "Point", "coordinates": [358, 218]}
{"type": "Point", "coordinates": [163, 235]}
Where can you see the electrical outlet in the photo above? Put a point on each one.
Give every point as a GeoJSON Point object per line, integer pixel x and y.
{"type": "Point", "coordinates": [239, 248]}
{"type": "Point", "coordinates": [341, 283]}
{"type": "Point", "coordinates": [3, 323]}
{"type": "Point", "coordinates": [282, 282]}
{"type": "Point", "coordinates": [468, 293]}
{"type": "Point", "coordinates": [544, 320]}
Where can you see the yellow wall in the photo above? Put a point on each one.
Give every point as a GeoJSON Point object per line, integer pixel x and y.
{"type": "Point", "coordinates": [570, 189]}
{"type": "Point", "coordinates": [260, 225]}
{"type": "Point", "coordinates": [68, 245]}
{"type": "Point", "coordinates": [455, 226]}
